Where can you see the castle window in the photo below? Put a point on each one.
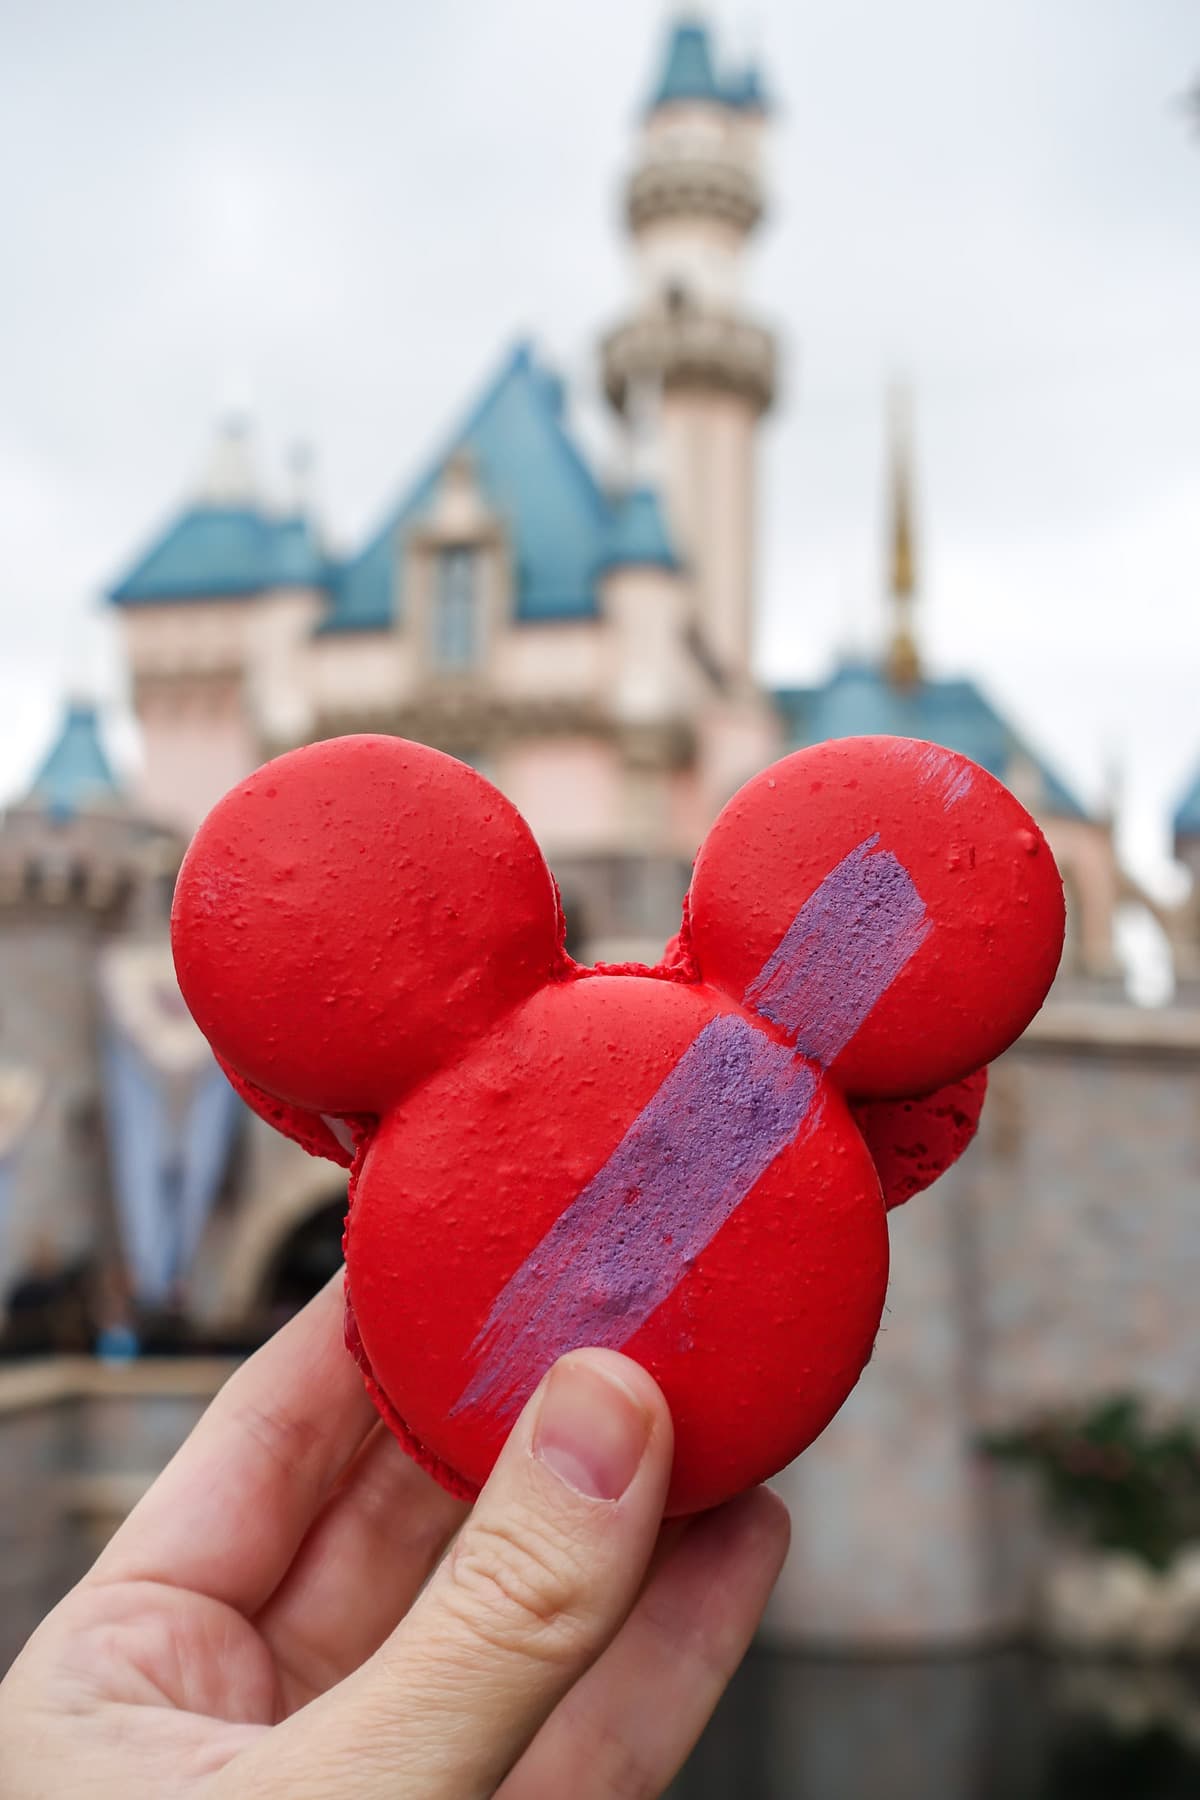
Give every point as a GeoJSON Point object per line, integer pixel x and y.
{"type": "Point", "coordinates": [457, 618]}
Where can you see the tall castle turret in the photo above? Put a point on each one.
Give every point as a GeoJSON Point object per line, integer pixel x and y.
{"type": "Point", "coordinates": [79, 868]}
{"type": "Point", "coordinates": [693, 199]}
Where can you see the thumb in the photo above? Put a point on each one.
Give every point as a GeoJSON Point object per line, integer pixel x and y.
{"type": "Point", "coordinates": [538, 1581]}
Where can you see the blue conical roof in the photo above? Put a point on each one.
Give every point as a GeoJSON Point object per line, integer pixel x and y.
{"type": "Point", "coordinates": [638, 536]}
{"type": "Point", "coordinates": [531, 474]}
{"type": "Point", "coordinates": [75, 772]}
{"type": "Point", "coordinates": [747, 91]}
{"type": "Point", "coordinates": [224, 551]}
{"type": "Point", "coordinates": [690, 72]}
{"type": "Point", "coordinates": [858, 700]}
{"type": "Point", "coordinates": [1187, 813]}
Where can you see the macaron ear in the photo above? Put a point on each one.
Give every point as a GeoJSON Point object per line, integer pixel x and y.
{"type": "Point", "coordinates": [355, 914]}
{"type": "Point", "coordinates": [912, 1142]}
{"type": "Point", "coordinates": [885, 903]}
{"type": "Point", "coordinates": [329, 1137]}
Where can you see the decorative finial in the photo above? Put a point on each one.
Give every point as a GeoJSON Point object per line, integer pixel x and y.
{"type": "Point", "coordinates": [903, 662]}
{"type": "Point", "coordinates": [1114, 783]}
{"type": "Point", "coordinates": [301, 463]}
{"type": "Point", "coordinates": [230, 478]}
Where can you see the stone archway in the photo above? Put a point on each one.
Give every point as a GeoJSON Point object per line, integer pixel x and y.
{"type": "Point", "coordinates": [306, 1259]}
{"type": "Point", "coordinates": [304, 1189]}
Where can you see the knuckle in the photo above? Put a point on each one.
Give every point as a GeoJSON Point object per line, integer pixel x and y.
{"type": "Point", "coordinates": [628, 1774]}
{"type": "Point", "coordinates": [622, 1763]}
{"type": "Point", "coordinates": [285, 1438]}
{"type": "Point", "coordinates": [519, 1587]}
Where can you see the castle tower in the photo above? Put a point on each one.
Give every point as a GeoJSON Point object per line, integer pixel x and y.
{"type": "Point", "coordinates": [213, 615]}
{"type": "Point", "coordinates": [693, 199]}
{"type": "Point", "coordinates": [78, 868]}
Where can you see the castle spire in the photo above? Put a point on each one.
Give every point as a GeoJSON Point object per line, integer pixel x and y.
{"type": "Point", "coordinates": [902, 662]}
{"type": "Point", "coordinates": [301, 466]}
{"type": "Point", "coordinates": [693, 200]}
{"type": "Point", "coordinates": [687, 71]}
{"type": "Point", "coordinates": [75, 772]}
{"type": "Point", "coordinates": [230, 479]}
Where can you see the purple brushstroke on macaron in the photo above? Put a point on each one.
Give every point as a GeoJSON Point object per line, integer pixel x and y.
{"type": "Point", "coordinates": [733, 1102]}
{"type": "Point", "coordinates": [940, 768]}
{"type": "Point", "coordinates": [841, 952]}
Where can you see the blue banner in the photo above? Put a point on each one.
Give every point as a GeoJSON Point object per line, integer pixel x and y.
{"type": "Point", "coordinates": [172, 1118]}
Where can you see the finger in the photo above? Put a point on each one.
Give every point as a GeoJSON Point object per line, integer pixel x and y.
{"type": "Point", "coordinates": [537, 1583]}
{"type": "Point", "coordinates": [627, 1727]}
{"type": "Point", "coordinates": [227, 1514]}
{"type": "Point", "coordinates": [365, 1559]}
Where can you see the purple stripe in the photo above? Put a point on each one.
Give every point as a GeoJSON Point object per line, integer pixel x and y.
{"type": "Point", "coordinates": [948, 774]}
{"type": "Point", "coordinates": [731, 1104]}
{"type": "Point", "coordinates": [841, 952]}
{"type": "Point", "coordinates": [734, 1100]}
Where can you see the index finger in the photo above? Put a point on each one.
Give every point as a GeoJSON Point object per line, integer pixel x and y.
{"type": "Point", "coordinates": [228, 1513]}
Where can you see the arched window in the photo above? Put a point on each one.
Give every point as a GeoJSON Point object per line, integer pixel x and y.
{"type": "Point", "coordinates": [457, 621]}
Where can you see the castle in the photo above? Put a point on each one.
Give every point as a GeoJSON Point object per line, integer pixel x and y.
{"type": "Point", "coordinates": [589, 648]}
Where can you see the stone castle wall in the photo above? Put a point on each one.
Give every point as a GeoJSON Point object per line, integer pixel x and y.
{"type": "Point", "coordinates": [58, 1193]}
{"type": "Point", "coordinates": [1056, 1263]}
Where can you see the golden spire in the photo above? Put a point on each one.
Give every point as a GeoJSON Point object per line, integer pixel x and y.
{"type": "Point", "coordinates": [903, 664]}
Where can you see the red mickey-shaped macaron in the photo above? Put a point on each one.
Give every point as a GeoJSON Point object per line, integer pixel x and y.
{"type": "Point", "coordinates": [687, 1168]}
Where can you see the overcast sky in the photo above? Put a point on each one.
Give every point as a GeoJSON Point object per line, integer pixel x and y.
{"type": "Point", "coordinates": [343, 211]}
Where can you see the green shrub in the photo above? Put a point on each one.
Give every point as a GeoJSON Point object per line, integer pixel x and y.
{"type": "Point", "coordinates": [1114, 1475]}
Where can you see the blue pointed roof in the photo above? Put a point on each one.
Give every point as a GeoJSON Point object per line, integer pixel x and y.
{"type": "Point", "coordinates": [638, 536]}
{"type": "Point", "coordinates": [534, 478]}
{"type": "Point", "coordinates": [689, 72]}
{"type": "Point", "coordinates": [298, 558]}
{"type": "Point", "coordinates": [859, 700]}
{"type": "Point", "coordinates": [747, 90]}
{"type": "Point", "coordinates": [1187, 813]}
{"type": "Point", "coordinates": [75, 772]}
{"type": "Point", "coordinates": [211, 551]}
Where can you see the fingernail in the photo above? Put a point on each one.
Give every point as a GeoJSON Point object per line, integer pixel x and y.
{"type": "Point", "coordinates": [591, 1430]}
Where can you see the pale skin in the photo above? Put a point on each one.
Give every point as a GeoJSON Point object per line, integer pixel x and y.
{"type": "Point", "coordinates": [296, 1610]}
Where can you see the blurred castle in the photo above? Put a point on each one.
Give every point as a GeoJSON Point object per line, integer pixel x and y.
{"type": "Point", "coordinates": [590, 650]}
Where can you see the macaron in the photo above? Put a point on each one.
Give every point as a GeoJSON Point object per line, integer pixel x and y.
{"type": "Point", "coordinates": [690, 1163]}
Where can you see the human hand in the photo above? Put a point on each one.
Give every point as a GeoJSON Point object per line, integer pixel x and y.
{"type": "Point", "coordinates": [266, 1622]}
